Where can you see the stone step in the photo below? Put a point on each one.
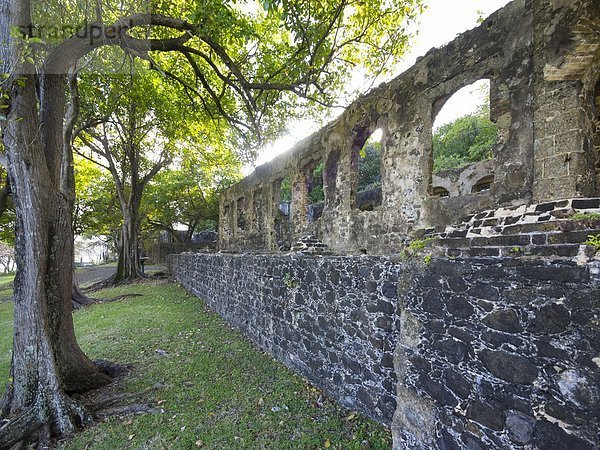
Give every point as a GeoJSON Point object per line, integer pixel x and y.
{"type": "Point", "coordinates": [559, 251]}
{"type": "Point", "coordinates": [591, 226]}
{"type": "Point", "coordinates": [576, 237]}
{"type": "Point", "coordinates": [524, 218]}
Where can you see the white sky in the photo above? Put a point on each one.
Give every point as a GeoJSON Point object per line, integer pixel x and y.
{"type": "Point", "coordinates": [439, 24]}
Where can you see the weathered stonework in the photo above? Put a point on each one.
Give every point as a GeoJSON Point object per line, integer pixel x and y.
{"type": "Point", "coordinates": [491, 339]}
{"type": "Point", "coordinates": [542, 59]}
{"type": "Point", "coordinates": [506, 355]}
{"type": "Point", "coordinates": [331, 318]}
{"type": "Point", "coordinates": [476, 353]}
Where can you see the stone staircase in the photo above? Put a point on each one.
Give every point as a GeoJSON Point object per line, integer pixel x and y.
{"type": "Point", "coordinates": [557, 229]}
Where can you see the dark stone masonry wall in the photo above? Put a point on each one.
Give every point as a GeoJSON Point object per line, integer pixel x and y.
{"type": "Point", "coordinates": [331, 319]}
{"type": "Point", "coordinates": [507, 355]}
{"type": "Point", "coordinates": [489, 352]}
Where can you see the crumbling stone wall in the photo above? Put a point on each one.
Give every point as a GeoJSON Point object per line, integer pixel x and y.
{"type": "Point", "coordinates": [566, 69]}
{"type": "Point", "coordinates": [478, 350]}
{"type": "Point", "coordinates": [541, 57]}
{"type": "Point", "coordinates": [488, 352]}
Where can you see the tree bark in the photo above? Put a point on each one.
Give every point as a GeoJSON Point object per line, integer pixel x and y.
{"type": "Point", "coordinates": [78, 298]}
{"type": "Point", "coordinates": [47, 362]}
{"type": "Point", "coordinates": [128, 265]}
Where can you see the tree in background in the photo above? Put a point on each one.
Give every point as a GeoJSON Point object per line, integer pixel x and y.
{"type": "Point", "coordinates": [133, 134]}
{"type": "Point", "coordinates": [464, 141]}
{"type": "Point", "coordinates": [7, 257]}
{"type": "Point", "coordinates": [7, 210]}
{"type": "Point", "coordinates": [95, 213]}
{"type": "Point", "coordinates": [369, 167]}
{"type": "Point", "coordinates": [188, 194]}
{"type": "Point", "coordinates": [246, 68]}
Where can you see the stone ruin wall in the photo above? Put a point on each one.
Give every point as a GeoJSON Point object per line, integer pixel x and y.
{"type": "Point", "coordinates": [462, 354]}
{"type": "Point", "coordinates": [541, 58]}
{"type": "Point", "coordinates": [495, 342]}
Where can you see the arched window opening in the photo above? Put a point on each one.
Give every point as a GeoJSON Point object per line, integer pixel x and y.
{"type": "Point", "coordinates": [257, 209]}
{"type": "Point", "coordinates": [330, 175]}
{"type": "Point", "coordinates": [241, 214]}
{"type": "Point", "coordinates": [439, 191]}
{"type": "Point", "coordinates": [316, 194]}
{"type": "Point", "coordinates": [463, 132]}
{"type": "Point", "coordinates": [285, 195]}
{"type": "Point", "coordinates": [366, 158]}
{"type": "Point", "coordinates": [484, 184]}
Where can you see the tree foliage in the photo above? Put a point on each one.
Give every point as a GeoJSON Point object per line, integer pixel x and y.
{"type": "Point", "coordinates": [188, 194]}
{"type": "Point", "coordinates": [369, 167]}
{"type": "Point", "coordinates": [96, 206]}
{"type": "Point", "coordinates": [244, 66]}
{"type": "Point", "coordinates": [464, 141]}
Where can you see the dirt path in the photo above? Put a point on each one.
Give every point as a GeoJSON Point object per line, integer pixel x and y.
{"type": "Point", "coordinates": [86, 276]}
{"type": "Point", "coordinates": [89, 275]}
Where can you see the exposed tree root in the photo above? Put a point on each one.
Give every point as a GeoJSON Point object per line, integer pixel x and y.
{"type": "Point", "coordinates": [78, 298]}
{"type": "Point", "coordinates": [52, 415]}
{"type": "Point", "coordinates": [112, 282]}
{"type": "Point", "coordinates": [125, 411]}
{"type": "Point", "coordinates": [17, 429]}
{"type": "Point", "coordinates": [56, 415]}
{"type": "Point", "coordinates": [111, 369]}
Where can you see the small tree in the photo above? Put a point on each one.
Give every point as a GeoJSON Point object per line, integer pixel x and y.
{"type": "Point", "coordinates": [189, 195]}
{"type": "Point", "coordinates": [464, 141]}
{"type": "Point", "coordinates": [132, 138]}
{"type": "Point", "coordinates": [7, 257]}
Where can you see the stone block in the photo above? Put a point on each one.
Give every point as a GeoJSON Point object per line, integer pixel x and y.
{"type": "Point", "coordinates": [504, 320]}
{"type": "Point", "coordinates": [509, 367]}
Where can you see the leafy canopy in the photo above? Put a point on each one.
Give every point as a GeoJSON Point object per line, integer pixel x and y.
{"type": "Point", "coordinates": [248, 63]}
{"type": "Point", "coordinates": [187, 194]}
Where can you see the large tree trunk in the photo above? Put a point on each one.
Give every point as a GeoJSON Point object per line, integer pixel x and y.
{"type": "Point", "coordinates": [47, 361]}
{"type": "Point", "coordinates": [128, 265]}
{"type": "Point", "coordinates": [78, 298]}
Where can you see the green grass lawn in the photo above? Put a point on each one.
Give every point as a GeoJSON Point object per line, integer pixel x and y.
{"type": "Point", "coordinates": [220, 391]}
{"type": "Point", "coordinates": [6, 279]}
